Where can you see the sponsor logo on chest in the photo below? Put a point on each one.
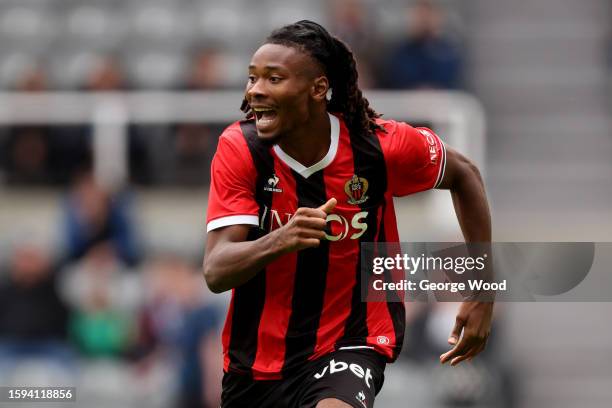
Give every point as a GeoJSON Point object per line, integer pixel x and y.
{"type": "Point", "coordinates": [339, 226]}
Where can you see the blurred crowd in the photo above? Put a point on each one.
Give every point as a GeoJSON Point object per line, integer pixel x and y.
{"type": "Point", "coordinates": [96, 305]}
{"type": "Point", "coordinates": [188, 44]}
{"type": "Point", "coordinates": [152, 45]}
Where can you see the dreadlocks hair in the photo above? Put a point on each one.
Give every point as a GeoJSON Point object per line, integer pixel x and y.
{"type": "Point", "coordinates": [339, 66]}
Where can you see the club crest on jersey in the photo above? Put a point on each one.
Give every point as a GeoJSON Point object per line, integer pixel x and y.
{"type": "Point", "coordinates": [272, 184]}
{"type": "Point", "coordinates": [356, 189]}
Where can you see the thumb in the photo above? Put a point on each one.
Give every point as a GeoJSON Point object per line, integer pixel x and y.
{"type": "Point", "coordinates": [329, 205]}
{"type": "Point", "coordinates": [456, 333]}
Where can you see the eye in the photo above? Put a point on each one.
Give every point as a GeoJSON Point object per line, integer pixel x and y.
{"type": "Point", "coordinates": [275, 79]}
{"type": "Point", "coordinates": [252, 79]}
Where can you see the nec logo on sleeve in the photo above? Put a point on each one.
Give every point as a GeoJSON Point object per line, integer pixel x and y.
{"type": "Point", "coordinates": [431, 141]}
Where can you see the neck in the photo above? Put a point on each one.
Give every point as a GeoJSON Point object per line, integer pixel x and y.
{"type": "Point", "coordinates": [309, 143]}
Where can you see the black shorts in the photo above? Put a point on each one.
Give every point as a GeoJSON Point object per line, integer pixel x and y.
{"type": "Point", "coordinates": [353, 376]}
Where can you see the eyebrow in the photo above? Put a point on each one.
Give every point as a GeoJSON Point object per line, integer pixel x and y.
{"type": "Point", "coordinates": [268, 67]}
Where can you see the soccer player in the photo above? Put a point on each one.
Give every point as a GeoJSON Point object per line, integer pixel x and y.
{"type": "Point", "coordinates": [296, 188]}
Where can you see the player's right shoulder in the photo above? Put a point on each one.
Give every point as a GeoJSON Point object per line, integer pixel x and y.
{"type": "Point", "coordinates": [233, 138]}
{"type": "Point", "coordinates": [232, 133]}
{"type": "Point", "coordinates": [233, 154]}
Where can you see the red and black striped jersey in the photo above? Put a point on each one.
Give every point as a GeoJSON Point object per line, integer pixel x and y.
{"type": "Point", "coordinates": [307, 304]}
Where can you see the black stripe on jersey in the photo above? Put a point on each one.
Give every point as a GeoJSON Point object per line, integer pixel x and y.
{"type": "Point", "coordinates": [369, 163]}
{"type": "Point", "coordinates": [395, 305]}
{"type": "Point", "coordinates": [249, 298]}
{"type": "Point", "coordinates": [310, 281]}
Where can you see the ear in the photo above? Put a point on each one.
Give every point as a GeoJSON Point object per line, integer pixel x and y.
{"type": "Point", "coordinates": [319, 89]}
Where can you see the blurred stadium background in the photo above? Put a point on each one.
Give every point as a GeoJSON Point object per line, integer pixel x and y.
{"type": "Point", "coordinates": [109, 115]}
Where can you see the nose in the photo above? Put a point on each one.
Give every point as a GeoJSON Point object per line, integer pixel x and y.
{"type": "Point", "coordinates": [255, 89]}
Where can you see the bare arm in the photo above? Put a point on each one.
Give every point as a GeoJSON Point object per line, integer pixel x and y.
{"type": "Point", "coordinates": [231, 261]}
{"type": "Point", "coordinates": [463, 180]}
{"type": "Point", "coordinates": [465, 183]}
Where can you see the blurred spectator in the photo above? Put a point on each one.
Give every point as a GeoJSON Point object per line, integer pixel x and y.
{"type": "Point", "coordinates": [181, 329]}
{"type": "Point", "coordinates": [27, 148]}
{"type": "Point", "coordinates": [27, 160]}
{"type": "Point", "coordinates": [32, 80]}
{"type": "Point", "coordinates": [427, 58]}
{"type": "Point", "coordinates": [206, 70]}
{"type": "Point", "coordinates": [104, 299]}
{"type": "Point", "coordinates": [33, 317]}
{"type": "Point", "coordinates": [40, 154]}
{"type": "Point", "coordinates": [106, 75]}
{"type": "Point", "coordinates": [349, 21]}
{"type": "Point", "coordinates": [93, 215]}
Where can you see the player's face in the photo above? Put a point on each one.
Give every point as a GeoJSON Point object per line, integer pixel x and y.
{"type": "Point", "coordinates": [279, 90]}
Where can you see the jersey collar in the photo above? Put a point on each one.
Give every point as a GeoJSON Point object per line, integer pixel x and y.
{"type": "Point", "coordinates": [324, 162]}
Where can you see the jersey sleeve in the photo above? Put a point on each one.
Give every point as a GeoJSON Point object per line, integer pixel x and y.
{"type": "Point", "coordinates": [416, 158]}
{"type": "Point", "coordinates": [231, 199]}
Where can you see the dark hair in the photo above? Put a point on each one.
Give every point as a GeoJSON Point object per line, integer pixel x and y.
{"type": "Point", "coordinates": [339, 66]}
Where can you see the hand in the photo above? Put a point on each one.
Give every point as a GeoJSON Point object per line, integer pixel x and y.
{"type": "Point", "coordinates": [306, 228]}
{"type": "Point", "coordinates": [474, 319]}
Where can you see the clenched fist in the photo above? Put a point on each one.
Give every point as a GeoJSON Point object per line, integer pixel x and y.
{"type": "Point", "coordinates": [306, 228]}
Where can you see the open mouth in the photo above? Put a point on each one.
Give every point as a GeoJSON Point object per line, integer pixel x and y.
{"type": "Point", "coordinates": [264, 116]}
